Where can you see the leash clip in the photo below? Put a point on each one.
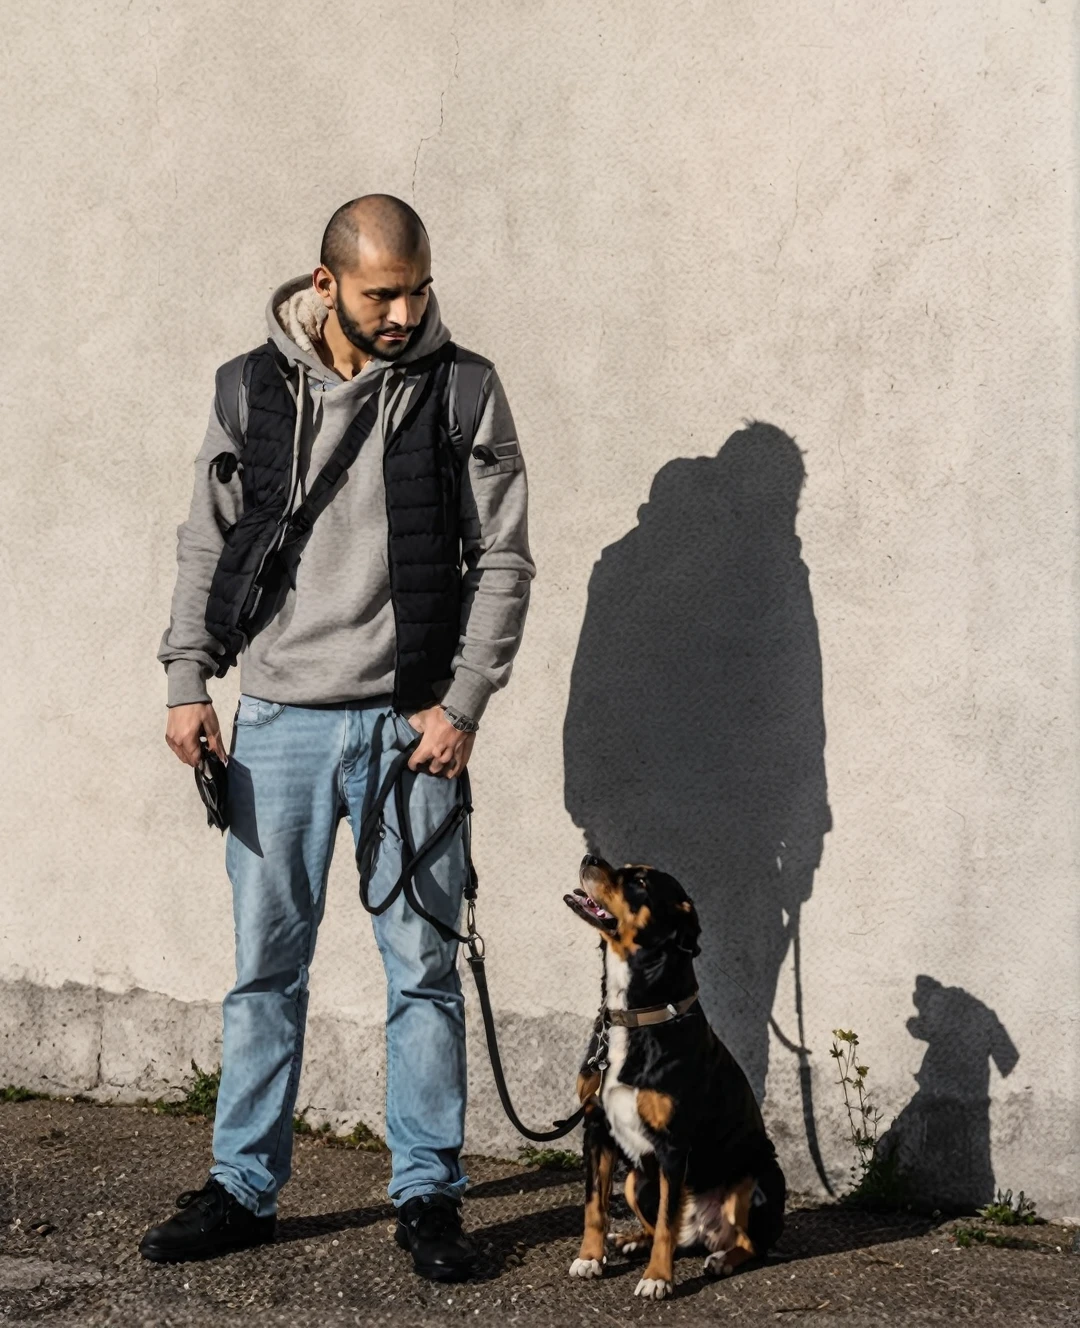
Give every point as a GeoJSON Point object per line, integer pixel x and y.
{"type": "Point", "coordinates": [473, 939]}
{"type": "Point", "coordinates": [598, 1060]}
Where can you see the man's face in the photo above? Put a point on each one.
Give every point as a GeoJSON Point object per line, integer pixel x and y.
{"type": "Point", "coordinates": [380, 302]}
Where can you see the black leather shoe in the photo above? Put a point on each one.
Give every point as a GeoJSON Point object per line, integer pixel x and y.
{"type": "Point", "coordinates": [211, 1221]}
{"type": "Point", "coordinates": [429, 1227]}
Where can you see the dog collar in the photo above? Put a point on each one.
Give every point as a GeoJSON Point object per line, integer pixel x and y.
{"type": "Point", "coordinates": [650, 1014]}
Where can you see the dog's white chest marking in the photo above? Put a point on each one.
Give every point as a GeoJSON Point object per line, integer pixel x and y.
{"type": "Point", "coordinates": [620, 1100]}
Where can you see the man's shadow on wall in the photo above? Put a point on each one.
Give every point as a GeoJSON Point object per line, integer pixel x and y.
{"type": "Point", "coordinates": [695, 735]}
{"type": "Point", "coordinates": [942, 1136]}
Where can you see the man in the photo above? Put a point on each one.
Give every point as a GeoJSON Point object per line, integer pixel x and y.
{"type": "Point", "coordinates": [376, 637]}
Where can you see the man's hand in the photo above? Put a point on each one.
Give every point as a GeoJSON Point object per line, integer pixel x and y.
{"type": "Point", "coordinates": [443, 749]}
{"type": "Point", "coordinates": [186, 723]}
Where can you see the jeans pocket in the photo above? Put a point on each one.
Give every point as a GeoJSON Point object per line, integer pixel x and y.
{"type": "Point", "coordinates": [253, 710]}
{"type": "Point", "coordinates": [406, 732]}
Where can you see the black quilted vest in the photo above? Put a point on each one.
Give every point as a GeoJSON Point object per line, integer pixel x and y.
{"type": "Point", "coordinates": [420, 471]}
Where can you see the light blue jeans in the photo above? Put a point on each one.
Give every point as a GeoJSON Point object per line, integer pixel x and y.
{"type": "Point", "coordinates": [294, 772]}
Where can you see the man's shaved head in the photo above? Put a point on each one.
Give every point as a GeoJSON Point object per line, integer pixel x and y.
{"type": "Point", "coordinates": [377, 222]}
{"type": "Point", "coordinates": [374, 277]}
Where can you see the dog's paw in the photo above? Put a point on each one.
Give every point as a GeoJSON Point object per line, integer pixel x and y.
{"type": "Point", "coordinates": [629, 1242]}
{"type": "Point", "coordinates": [653, 1288]}
{"type": "Point", "coordinates": [587, 1268]}
{"type": "Point", "coordinates": [717, 1265]}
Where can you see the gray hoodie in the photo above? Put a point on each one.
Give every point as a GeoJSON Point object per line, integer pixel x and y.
{"type": "Point", "coordinates": [334, 637]}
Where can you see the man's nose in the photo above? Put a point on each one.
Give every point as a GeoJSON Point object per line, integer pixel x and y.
{"type": "Point", "coordinates": [399, 312]}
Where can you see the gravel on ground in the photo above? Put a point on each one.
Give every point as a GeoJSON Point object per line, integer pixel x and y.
{"type": "Point", "coordinates": [80, 1182]}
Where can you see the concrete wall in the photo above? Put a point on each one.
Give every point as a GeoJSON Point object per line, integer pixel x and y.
{"type": "Point", "coordinates": [852, 224]}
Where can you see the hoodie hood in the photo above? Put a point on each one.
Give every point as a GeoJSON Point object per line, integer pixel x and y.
{"type": "Point", "coordinates": [295, 316]}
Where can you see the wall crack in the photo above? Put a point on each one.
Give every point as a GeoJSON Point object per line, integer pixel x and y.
{"type": "Point", "coordinates": [442, 101]}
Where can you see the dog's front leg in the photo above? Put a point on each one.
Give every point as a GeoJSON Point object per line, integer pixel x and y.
{"type": "Point", "coordinates": [659, 1277]}
{"type": "Point", "coordinates": [599, 1168]}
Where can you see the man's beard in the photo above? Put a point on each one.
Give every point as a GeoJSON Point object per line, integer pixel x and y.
{"type": "Point", "coordinates": [363, 342]}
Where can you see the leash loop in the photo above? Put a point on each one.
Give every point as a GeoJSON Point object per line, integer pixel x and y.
{"type": "Point", "coordinates": [372, 831]}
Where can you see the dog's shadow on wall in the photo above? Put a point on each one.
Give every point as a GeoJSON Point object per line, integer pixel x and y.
{"type": "Point", "coordinates": [942, 1136]}
{"type": "Point", "coordinates": [695, 734]}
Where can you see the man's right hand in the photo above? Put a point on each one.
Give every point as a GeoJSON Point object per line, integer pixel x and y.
{"type": "Point", "coordinates": [186, 723]}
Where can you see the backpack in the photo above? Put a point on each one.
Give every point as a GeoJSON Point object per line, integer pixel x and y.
{"type": "Point", "coordinates": [471, 371]}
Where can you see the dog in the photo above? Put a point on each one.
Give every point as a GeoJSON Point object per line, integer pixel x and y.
{"type": "Point", "coordinates": [662, 1091]}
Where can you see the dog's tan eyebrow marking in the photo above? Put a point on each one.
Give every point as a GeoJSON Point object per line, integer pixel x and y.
{"type": "Point", "coordinates": [655, 1108]}
{"type": "Point", "coordinates": [685, 906]}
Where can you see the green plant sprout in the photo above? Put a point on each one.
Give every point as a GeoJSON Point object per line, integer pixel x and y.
{"type": "Point", "coordinates": [877, 1178]}
{"type": "Point", "coordinates": [1006, 1212]}
{"type": "Point", "coordinates": [550, 1159]}
{"type": "Point", "coordinates": [199, 1100]}
{"type": "Point", "coordinates": [360, 1137]}
{"type": "Point", "coordinates": [15, 1093]}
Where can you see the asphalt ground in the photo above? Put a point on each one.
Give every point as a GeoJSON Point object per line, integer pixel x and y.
{"type": "Point", "coordinates": [79, 1183]}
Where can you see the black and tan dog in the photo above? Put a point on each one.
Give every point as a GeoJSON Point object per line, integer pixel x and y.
{"type": "Point", "coordinates": [670, 1099]}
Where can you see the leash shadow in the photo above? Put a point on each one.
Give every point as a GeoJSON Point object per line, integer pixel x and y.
{"type": "Point", "coordinates": [309, 1226]}
{"type": "Point", "coordinates": [500, 1240]}
{"type": "Point", "coordinates": [526, 1182]}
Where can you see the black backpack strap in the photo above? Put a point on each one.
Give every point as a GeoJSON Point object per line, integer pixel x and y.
{"type": "Point", "coordinates": [227, 384]}
{"type": "Point", "coordinates": [471, 371]}
{"type": "Point", "coordinates": [342, 457]}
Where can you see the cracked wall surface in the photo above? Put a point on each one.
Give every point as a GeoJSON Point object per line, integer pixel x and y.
{"type": "Point", "coordinates": [852, 725]}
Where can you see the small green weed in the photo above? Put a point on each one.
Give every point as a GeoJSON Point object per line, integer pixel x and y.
{"type": "Point", "coordinates": [1007, 1212]}
{"type": "Point", "coordinates": [550, 1159]}
{"type": "Point", "coordinates": [876, 1178]}
{"type": "Point", "coordinates": [966, 1237]}
{"type": "Point", "coordinates": [13, 1093]}
{"type": "Point", "coordinates": [302, 1127]}
{"type": "Point", "coordinates": [200, 1099]}
{"type": "Point", "coordinates": [363, 1138]}
{"type": "Point", "coordinates": [360, 1137]}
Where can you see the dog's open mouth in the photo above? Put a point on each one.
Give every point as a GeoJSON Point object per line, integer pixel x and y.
{"type": "Point", "coordinates": [586, 907]}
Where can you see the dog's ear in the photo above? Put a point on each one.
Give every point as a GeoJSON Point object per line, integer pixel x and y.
{"type": "Point", "coordinates": [688, 929]}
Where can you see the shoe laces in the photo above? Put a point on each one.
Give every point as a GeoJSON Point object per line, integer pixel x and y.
{"type": "Point", "coordinates": [211, 1196]}
{"type": "Point", "coordinates": [435, 1218]}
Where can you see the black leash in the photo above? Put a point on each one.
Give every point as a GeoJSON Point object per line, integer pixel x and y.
{"type": "Point", "coordinates": [372, 831]}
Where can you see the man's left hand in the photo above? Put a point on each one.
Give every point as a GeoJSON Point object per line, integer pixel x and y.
{"type": "Point", "coordinates": [443, 749]}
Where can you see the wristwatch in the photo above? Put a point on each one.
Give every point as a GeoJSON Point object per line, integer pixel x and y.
{"type": "Point", "coordinates": [461, 722]}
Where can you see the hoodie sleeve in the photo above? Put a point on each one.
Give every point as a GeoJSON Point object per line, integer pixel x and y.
{"type": "Point", "coordinates": [188, 651]}
{"type": "Point", "coordinates": [498, 564]}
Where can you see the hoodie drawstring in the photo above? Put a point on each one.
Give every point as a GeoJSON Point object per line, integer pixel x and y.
{"type": "Point", "coordinates": [301, 395]}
